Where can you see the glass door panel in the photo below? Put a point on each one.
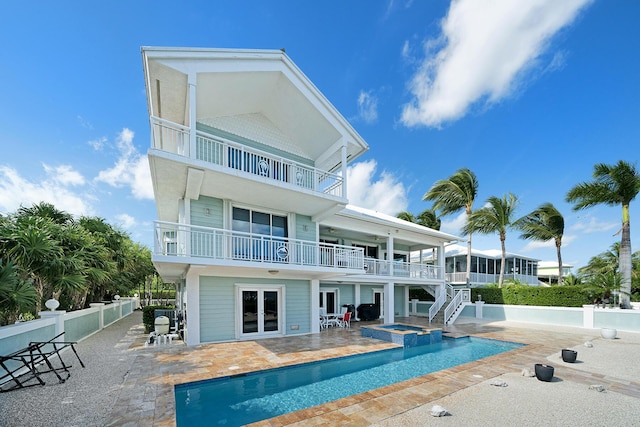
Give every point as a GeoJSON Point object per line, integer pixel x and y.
{"type": "Point", "coordinates": [271, 321]}
{"type": "Point", "coordinates": [249, 312]}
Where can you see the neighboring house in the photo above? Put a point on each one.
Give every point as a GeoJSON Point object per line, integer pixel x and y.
{"type": "Point", "coordinates": [248, 161]}
{"type": "Point", "coordinates": [548, 271]}
{"type": "Point", "coordinates": [485, 267]}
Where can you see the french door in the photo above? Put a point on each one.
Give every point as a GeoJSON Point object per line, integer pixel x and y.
{"type": "Point", "coordinates": [378, 300]}
{"type": "Point", "coordinates": [260, 311]}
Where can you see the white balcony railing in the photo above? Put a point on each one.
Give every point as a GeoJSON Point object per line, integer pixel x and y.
{"type": "Point", "coordinates": [477, 278]}
{"type": "Point", "coordinates": [182, 240]}
{"type": "Point", "coordinates": [174, 138]}
{"type": "Point", "coordinates": [379, 267]}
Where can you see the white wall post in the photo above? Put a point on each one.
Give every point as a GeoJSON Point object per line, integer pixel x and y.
{"type": "Point", "coordinates": [100, 306]}
{"type": "Point", "coordinates": [58, 316]}
{"type": "Point", "coordinates": [479, 305]}
{"type": "Point", "coordinates": [587, 316]}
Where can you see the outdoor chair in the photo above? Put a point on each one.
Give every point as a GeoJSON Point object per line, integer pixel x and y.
{"type": "Point", "coordinates": [25, 366]}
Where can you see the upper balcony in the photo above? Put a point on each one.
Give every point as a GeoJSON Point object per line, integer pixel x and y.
{"type": "Point", "coordinates": [217, 160]}
{"type": "Point", "coordinates": [218, 153]}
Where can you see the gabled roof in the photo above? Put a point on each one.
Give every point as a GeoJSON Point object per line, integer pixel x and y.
{"type": "Point", "coordinates": [255, 94]}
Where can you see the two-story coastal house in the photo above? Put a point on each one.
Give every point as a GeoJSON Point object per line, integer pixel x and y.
{"type": "Point", "coordinates": [248, 161]}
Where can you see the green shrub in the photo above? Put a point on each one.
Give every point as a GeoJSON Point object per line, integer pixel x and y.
{"type": "Point", "coordinates": [560, 296]}
{"type": "Point", "coordinates": [148, 318]}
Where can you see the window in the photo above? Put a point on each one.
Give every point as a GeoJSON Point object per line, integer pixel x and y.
{"type": "Point", "coordinates": [255, 222]}
{"type": "Point", "coordinates": [267, 239]}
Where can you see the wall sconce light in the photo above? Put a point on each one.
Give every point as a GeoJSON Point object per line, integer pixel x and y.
{"type": "Point", "coordinates": [274, 271]}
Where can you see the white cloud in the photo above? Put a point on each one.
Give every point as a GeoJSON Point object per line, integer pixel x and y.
{"type": "Point", "coordinates": [594, 226]}
{"type": "Point", "coordinates": [16, 190]}
{"type": "Point", "coordinates": [126, 221]}
{"type": "Point", "coordinates": [453, 225]}
{"type": "Point", "coordinates": [533, 245]}
{"type": "Point", "coordinates": [131, 169]}
{"type": "Point", "coordinates": [98, 144]}
{"type": "Point", "coordinates": [484, 51]}
{"type": "Point", "coordinates": [367, 107]}
{"type": "Point", "coordinates": [64, 175]}
{"type": "Point", "coordinates": [386, 195]}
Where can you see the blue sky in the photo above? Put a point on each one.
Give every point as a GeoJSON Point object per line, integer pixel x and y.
{"type": "Point", "coordinates": [528, 95]}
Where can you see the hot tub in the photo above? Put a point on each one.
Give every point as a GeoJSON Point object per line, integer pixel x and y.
{"type": "Point", "coordinates": [403, 334]}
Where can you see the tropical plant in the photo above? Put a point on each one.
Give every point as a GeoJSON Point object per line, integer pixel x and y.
{"type": "Point", "coordinates": [427, 218]}
{"type": "Point", "coordinates": [49, 254]}
{"type": "Point", "coordinates": [453, 194]}
{"type": "Point", "coordinates": [543, 224]}
{"type": "Point", "coordinates": [16, 295]}
{"type": "Point", "coordinates": [495, 217]}
{"type": "Point", "coordinates": [604, 285]}
{"type": "Point", "coordinates": [613, 185]}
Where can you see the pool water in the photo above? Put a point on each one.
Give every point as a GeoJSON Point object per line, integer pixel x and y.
{"type": "Point", "coordinates": [251, 397]}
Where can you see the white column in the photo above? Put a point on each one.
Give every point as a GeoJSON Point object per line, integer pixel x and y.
{"type": "Point", "coordinates": [388, 303]}
{"type": "Point", "coordinates": [193, 307]}
{"type": "Point", "coordinates": [315, 306]}
{"type": "Point", "coordinates": [357, 298]}
{"type": "Point", "coordinates": [406, 302]}
{"type": "Point", "coordinates": [390, 254]}
{"type": "Point", "coordinates": [344, 169]}
{"type": "Point", "coordinates": [192, 114]}
{"type": "Point", "coordinates": [441, 261]}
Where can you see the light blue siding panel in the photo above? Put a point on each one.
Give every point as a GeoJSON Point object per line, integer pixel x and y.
{"type": "Point", "coordinates": [207, 212]}
{"type": "Point", "coordinates": [298, 301]}
{"type": "Point", "coordinates": [217, 309]}
{"type": "Point", "coordinates": [302, 222]}
{"type": "Point", "coordinates": [83, 326]}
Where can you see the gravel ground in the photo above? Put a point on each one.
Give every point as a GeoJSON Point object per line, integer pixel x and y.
{"type": "Point", "coordinates": [87, 397]}
{"type": "Point", "coordinates": [525, 401]}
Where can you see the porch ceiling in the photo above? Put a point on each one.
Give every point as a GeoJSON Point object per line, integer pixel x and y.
{"type": "Point", "coordinates": [239, 83]}
{"type": "Point", "coordinates": [172, 177]}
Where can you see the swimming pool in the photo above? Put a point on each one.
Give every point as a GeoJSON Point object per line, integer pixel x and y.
{"type": "Point", "coordinates": [251, 397]}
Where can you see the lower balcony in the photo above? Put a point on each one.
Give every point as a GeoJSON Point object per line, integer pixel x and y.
{"type": "Point", "coordinates": [187, 244]}
{"type": "Point", "coordinates": [413, 270]}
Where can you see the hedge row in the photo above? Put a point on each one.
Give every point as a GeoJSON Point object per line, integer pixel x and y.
{"type": "Point", "coordinates": [560, 296]}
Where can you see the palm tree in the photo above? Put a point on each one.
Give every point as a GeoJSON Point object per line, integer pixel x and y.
{"type": "Point", "coordinates": [453, 194]}
{"type": "Point", "coordinates": [495, 217]}
{"type": "Point", "coordinates": [427, 218]}
{"type": "Point", "coordinates": [16, 294]}
{"type": "Point", "coordinates": [613, 185]}
{"type": "Point", "coordinates": [544, 224]}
